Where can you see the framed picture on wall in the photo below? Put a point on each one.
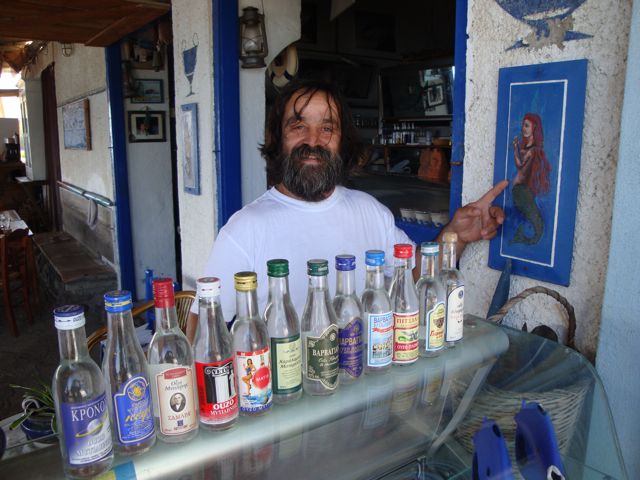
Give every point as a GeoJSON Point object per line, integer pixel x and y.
{"type": "Point", "coordinates": [148, 91]}
{"type": "Point", "coordinates": [190, 153]}
{"type": "Point", "coordinates": [146, 126]}
{"type": "Point", "coordinates": [76, 125]}
{"type": "Point", "coordinates": [538, 143]}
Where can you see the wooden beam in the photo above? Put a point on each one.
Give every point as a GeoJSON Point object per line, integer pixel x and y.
{"type": "Point", "coordinates": [123, 27]}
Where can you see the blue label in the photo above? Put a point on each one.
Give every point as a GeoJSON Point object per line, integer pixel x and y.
{"type": "Point", "coordinates": [380, 339]}
{"type": "Point", "coordinates": [87, 433]}
{"type": "Point", "coordinates": [350, 348]}
{"type": "Point", "coordinates": [132, 411]}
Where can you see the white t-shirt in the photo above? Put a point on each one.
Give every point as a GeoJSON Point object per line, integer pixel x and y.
{"type": "Point", "coordinates": [278, 226]}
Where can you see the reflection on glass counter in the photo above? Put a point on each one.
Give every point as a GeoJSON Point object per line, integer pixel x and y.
{"type": "Point", "coordinates": [415, 421]}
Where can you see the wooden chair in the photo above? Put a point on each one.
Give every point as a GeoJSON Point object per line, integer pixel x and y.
{"type": "Point", "coordinates": [14, 271]}
{"type": "Point", "coordinates": [184, 300]}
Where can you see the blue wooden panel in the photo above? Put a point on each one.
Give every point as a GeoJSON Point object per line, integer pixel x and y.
{"type": "Point", "coordinates": [538, 144]}
{"type": "Point", "coordinates": [459, 81]}
{"type": "Point", "coordinates": [226, 93]}
{"type": "Point", "coordinates": [115, 102]}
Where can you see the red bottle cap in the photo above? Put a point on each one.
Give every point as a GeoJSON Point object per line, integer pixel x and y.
{"type": "Point", "coordinates": [163, 293]}
{"type": "Point", "coordinates": [403, 250]}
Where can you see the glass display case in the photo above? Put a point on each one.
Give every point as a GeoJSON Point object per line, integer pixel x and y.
{"type": "Point", "coordinates": [415, 421]}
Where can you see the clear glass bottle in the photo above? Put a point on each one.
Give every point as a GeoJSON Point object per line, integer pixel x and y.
{"type": "Point", "coordinates": [377, 315]}
{"type": "Point", "coordinates": [175, 406]}
{"type": "Point", "coordinates": [349, 313]}
{"type": "Point", "coordinates": [214, 360]}
{"type": "Point", "coordinates": [126, 375]}
{"type": "Point", "coordinates": [454, 287]}
{"type": "Point", "coordinates": [251, 344]}
{"type": "Point", "coordinates": [431, 295]}
{"type": "Point", "coordinates": [405, 308]}
{"type": "Point", "coordinates": [79, 394]}
{"type": "Point", "coordinates": [320, 358]}
{"type": "Point", "coordinates": [284, 331]}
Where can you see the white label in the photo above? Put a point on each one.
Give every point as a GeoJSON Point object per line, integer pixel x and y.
{"type": "Point", "coordinates": [455, 314]}
{"type": "Point", "coordinates": [174, 398]}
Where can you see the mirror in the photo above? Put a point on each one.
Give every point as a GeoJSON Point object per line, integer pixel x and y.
{"type": "Point", "coordinates": [413, 91]}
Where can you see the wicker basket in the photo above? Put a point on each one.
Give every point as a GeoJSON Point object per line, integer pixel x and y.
{"type": "Point", "coordinates": [564, 404]}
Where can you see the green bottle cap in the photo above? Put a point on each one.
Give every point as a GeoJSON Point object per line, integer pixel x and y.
{"type": "Point", "coordinates": [245, 281]}
{"type": "Point", "coordinates": [318, 267]}
{"type": "Point", "coordinates": [278, 267]}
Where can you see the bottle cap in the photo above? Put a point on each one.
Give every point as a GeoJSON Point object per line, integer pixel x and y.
{"type": "Point", "coordinates": [278, 267]}
{"type": "Point", "coordinates": [403, 250]}
{"type": "Point", "coordinates": [245, 281]}
{"type": "Point", "coordinates": [429, 248]}
{"type": "Point", "coordinates": [208, 287]}
{"type": "Point", "coordinates": [450, 237]}
{"type": "Point", "coordinates": [345, 263]}
{"type": "Point", "coordinates": [117, 301]}
{"type": "Point", "coordinates": [163, 293]}
{"type": "Point", "coordinates": [68, 317]}
{"type": "Point", "coordinates": [317, 267]}
{"type": "Point", "coordinates": [374, 258]}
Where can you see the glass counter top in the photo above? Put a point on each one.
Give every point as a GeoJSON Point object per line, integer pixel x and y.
{"type": "Point", "coordinates": [415, 421]}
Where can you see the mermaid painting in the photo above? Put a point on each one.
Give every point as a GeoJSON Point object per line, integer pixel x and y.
{"type": "Point", "coordinates": [531, 179]}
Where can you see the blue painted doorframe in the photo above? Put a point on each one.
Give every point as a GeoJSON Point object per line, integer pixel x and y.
{"type": "Point", "coordinates": [459, 84]}
{"type": "Point", "coordinates": [115, 102]}
{"type": "Point", "coordinates": [226, 111]}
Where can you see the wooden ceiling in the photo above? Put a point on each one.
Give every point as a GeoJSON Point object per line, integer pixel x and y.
{"type": "Point", "coordinates": [96, 23]}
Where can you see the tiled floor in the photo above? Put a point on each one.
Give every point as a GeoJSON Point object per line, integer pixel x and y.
{"type": "Point", "coordinates": [28, 358]}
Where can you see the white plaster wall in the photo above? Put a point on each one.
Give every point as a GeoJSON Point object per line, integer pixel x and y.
{"type": "Point", "coordinates": [88, 169]}
{"type": "Point", "coordinates": [620, 329]}
{"type": "Point", "coordinates": [151, 195]}
{"type": "Point", "coordinates": [491, 31]}
{"type": "Point", "coordinates": [197, 212]}
{"type": "Point", "coordinates": [282, 18]}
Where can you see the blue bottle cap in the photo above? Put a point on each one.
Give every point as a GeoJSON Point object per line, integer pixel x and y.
{"type": "Point", "coordinates": [429, 248]}
{"type": "Point", "coordinates": [374, 258]}
{"type": "Point", "coordinates": [345, 262]}
{"type": "Point", "coordinates": [68, 317]}
{"type": "Point", "coordinates": [117, 301]}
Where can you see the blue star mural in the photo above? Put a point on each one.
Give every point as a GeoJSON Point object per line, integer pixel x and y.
{"type": "Point", "coordinates": [550, 20]}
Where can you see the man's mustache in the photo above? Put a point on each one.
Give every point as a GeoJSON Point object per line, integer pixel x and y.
{"type": "Point", "coordinates": [306, 150]}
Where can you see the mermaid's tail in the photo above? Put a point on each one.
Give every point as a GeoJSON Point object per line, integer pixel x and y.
{"type": "Point", "coordinates": [525, 202]}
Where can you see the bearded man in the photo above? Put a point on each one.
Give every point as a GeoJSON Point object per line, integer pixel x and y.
{"type": "Point", "coordinates": [310, 146]}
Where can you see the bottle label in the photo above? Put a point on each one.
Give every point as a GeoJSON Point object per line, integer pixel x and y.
{"type": "Point", "coordinates": [435, 327]}
{"type": "Point", "coordinates": [87, 432]}
{"type": "Point", "coordinates": [350, 342]}
{"type": "Point", "coordinates": [132, 411]}
{"type": "Point", "coordinates": [380, 344]}
{"type": "Point", "coordinates": [174, 401]}
{"type": "Point", "coordinates": [323, 359]}
{"type": "Point", "coordinates": [405, 337]}
{"type": "Point", "coordinates": [217, 391]}
{"type": "Point", "coordinates": [286, 356]}
{"type": "Point", "coordinates": [254, 380]}
{"type": "Point", "coordinates": [455, 314]}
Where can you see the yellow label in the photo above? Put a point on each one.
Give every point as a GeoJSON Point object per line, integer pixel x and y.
{"type": "Point", "coordinates": [405, 337]}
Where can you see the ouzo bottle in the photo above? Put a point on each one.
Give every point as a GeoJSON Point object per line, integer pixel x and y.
{"type": "Point", "coordinates": [126, 375]}
{"type": "Point", "coordinates": [431, 296]}
{"type": "Point", "coordinates": [214, 360]}
{"type": "Point", "coordinates": [78, 391]}
{"type": "Point", "coordinates": [251, 346]}
{"type": "Point", "coordinates": [349, 313]}
{"type": "Point", "coordinates": [454, 289]}
{"type": "Point", "coordinates": [175, 406]}
{"type": "Point", "coordinates": [320, 358]}
{"type": "Point", "coordinates": [284, 332]}
{"type": "Point", "coordinates": [377, 316]}
{"type": "Point", "coordinates": [404, 305]}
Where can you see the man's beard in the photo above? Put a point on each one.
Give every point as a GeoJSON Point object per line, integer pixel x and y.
{"type": "Point", "coordinates": [311, 182]}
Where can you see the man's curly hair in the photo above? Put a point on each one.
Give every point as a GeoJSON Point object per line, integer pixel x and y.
{"type": "Point", "coordinates": [271, 150]}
